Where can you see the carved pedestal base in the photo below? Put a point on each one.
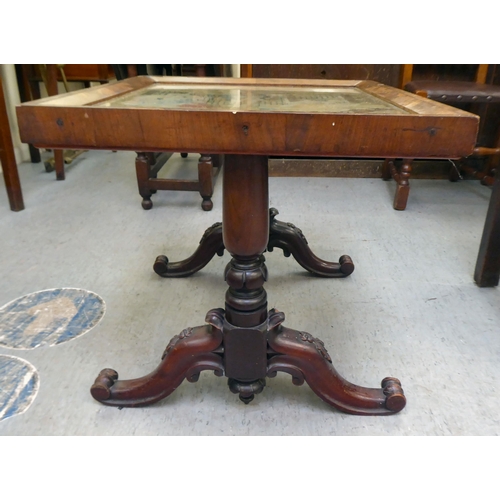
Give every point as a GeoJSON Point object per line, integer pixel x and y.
{"type": "Point", "coordinates": [297, 353]}
{"type": "Point", "coordinates": [244, 341]}
{"type": "Point", "coordinates": [282, 235]}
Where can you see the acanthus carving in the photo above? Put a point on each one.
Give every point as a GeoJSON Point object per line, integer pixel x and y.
{"type": "Point", "coordinates": [320, 346]}
{"type": "Point", "coordinates": [210, 230]}
{"type": "Point", "coordinates": [176, 339]}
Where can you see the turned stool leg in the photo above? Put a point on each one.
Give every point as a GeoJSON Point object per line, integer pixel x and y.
{"type": "Point", "coordinates": [402, 178]}
{"type": "Point", "coordinates": [205, 178]}
{"type": "Point", "coordinates": [142, 168]}
{"type": "Point", "coordinates": [403, 188]}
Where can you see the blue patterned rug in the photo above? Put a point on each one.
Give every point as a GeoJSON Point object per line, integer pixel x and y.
{"type": "Point", "coordinates": [49, 317]}
{"type": "Point", "coordinates": [19, 383]}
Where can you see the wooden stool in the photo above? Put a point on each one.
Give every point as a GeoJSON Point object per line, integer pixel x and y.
{"type": "Point", "coordinates": [148, 165]}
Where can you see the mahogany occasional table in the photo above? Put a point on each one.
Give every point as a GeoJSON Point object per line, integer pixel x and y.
{"type": "Point", "coordinates": [247, 120]}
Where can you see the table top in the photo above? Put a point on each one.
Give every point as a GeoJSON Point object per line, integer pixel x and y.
{"type": "Point", "coordinates": [252, 116]}
{"type": "Point", "coordinates": [254, 98]}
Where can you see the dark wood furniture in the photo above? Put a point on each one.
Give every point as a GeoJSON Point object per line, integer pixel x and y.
{"type": "Point", "coordinates": [149, 164]}
{"type": "Point", "coordinates": [487, 271]}
{"type": "Point", "coordinates": [450, 88]}
{"type": "Point", "coordinates": [249, 119]}
{"type": "Point", "coordinates": [388, 74]}
{"type": "Point", "coordinates": [8, 159]}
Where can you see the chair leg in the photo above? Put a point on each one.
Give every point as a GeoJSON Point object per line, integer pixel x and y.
{"type": "Point", "coordinates": [35, 156]}
{"type": "Point", "coordinates": [59, 164]}
{"type": "Point", "coordinates": [142, 168]}
{"type": "Point", "coordinates": [403, 188]}
{"type": "Point", "coordinates": [386, 169]}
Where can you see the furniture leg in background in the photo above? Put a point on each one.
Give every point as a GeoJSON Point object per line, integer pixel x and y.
{"type": "Point", "coordinates": [7, 156]}
{"type": "Point", "coordinates": [28, 91]}
{"type": "Point", "coordinates": [487, 272]}
{"type": "Point", "coordinates": [52, 90]}
{"type": "Point", "coordinates": [402, 177]}
{"type": "Point", "coordinates": [148, 165]}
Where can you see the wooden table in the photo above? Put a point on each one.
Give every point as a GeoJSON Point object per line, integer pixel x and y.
{"type": "Point", "coordinates": [248, 120]}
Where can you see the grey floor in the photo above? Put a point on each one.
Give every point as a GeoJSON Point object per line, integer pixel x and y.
{"type": "Point", "coordinates": [410, 310]}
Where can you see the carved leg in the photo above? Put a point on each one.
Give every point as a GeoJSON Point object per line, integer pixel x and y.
{"type": "Point", "coordinates": [306, 359]}
{"type": "Point", "coordinates": [292, 241]}
{"type": "Point", "coordinates": [282, 235]}
{"type": "Point", "coordinates": [210, 244]}
{"type": "Point", "coordinates": [187, 354]}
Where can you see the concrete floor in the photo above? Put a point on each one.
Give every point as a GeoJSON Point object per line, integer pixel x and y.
{"type": "Point", "coordinates": [410, 309]}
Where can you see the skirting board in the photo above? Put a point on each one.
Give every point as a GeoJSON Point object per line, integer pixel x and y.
{"type": "Point", "coordinates": [359, 168]}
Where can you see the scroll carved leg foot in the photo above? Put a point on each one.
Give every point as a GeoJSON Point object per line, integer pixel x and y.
{"type": "Point", "coordinates": [305, 358]}
{"type": "Point", "coordinates": [210, 244]}
{"type": "Point", "coordinates": [187, 354]}
{"type": "Point", "coordinates": [293, 242]}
